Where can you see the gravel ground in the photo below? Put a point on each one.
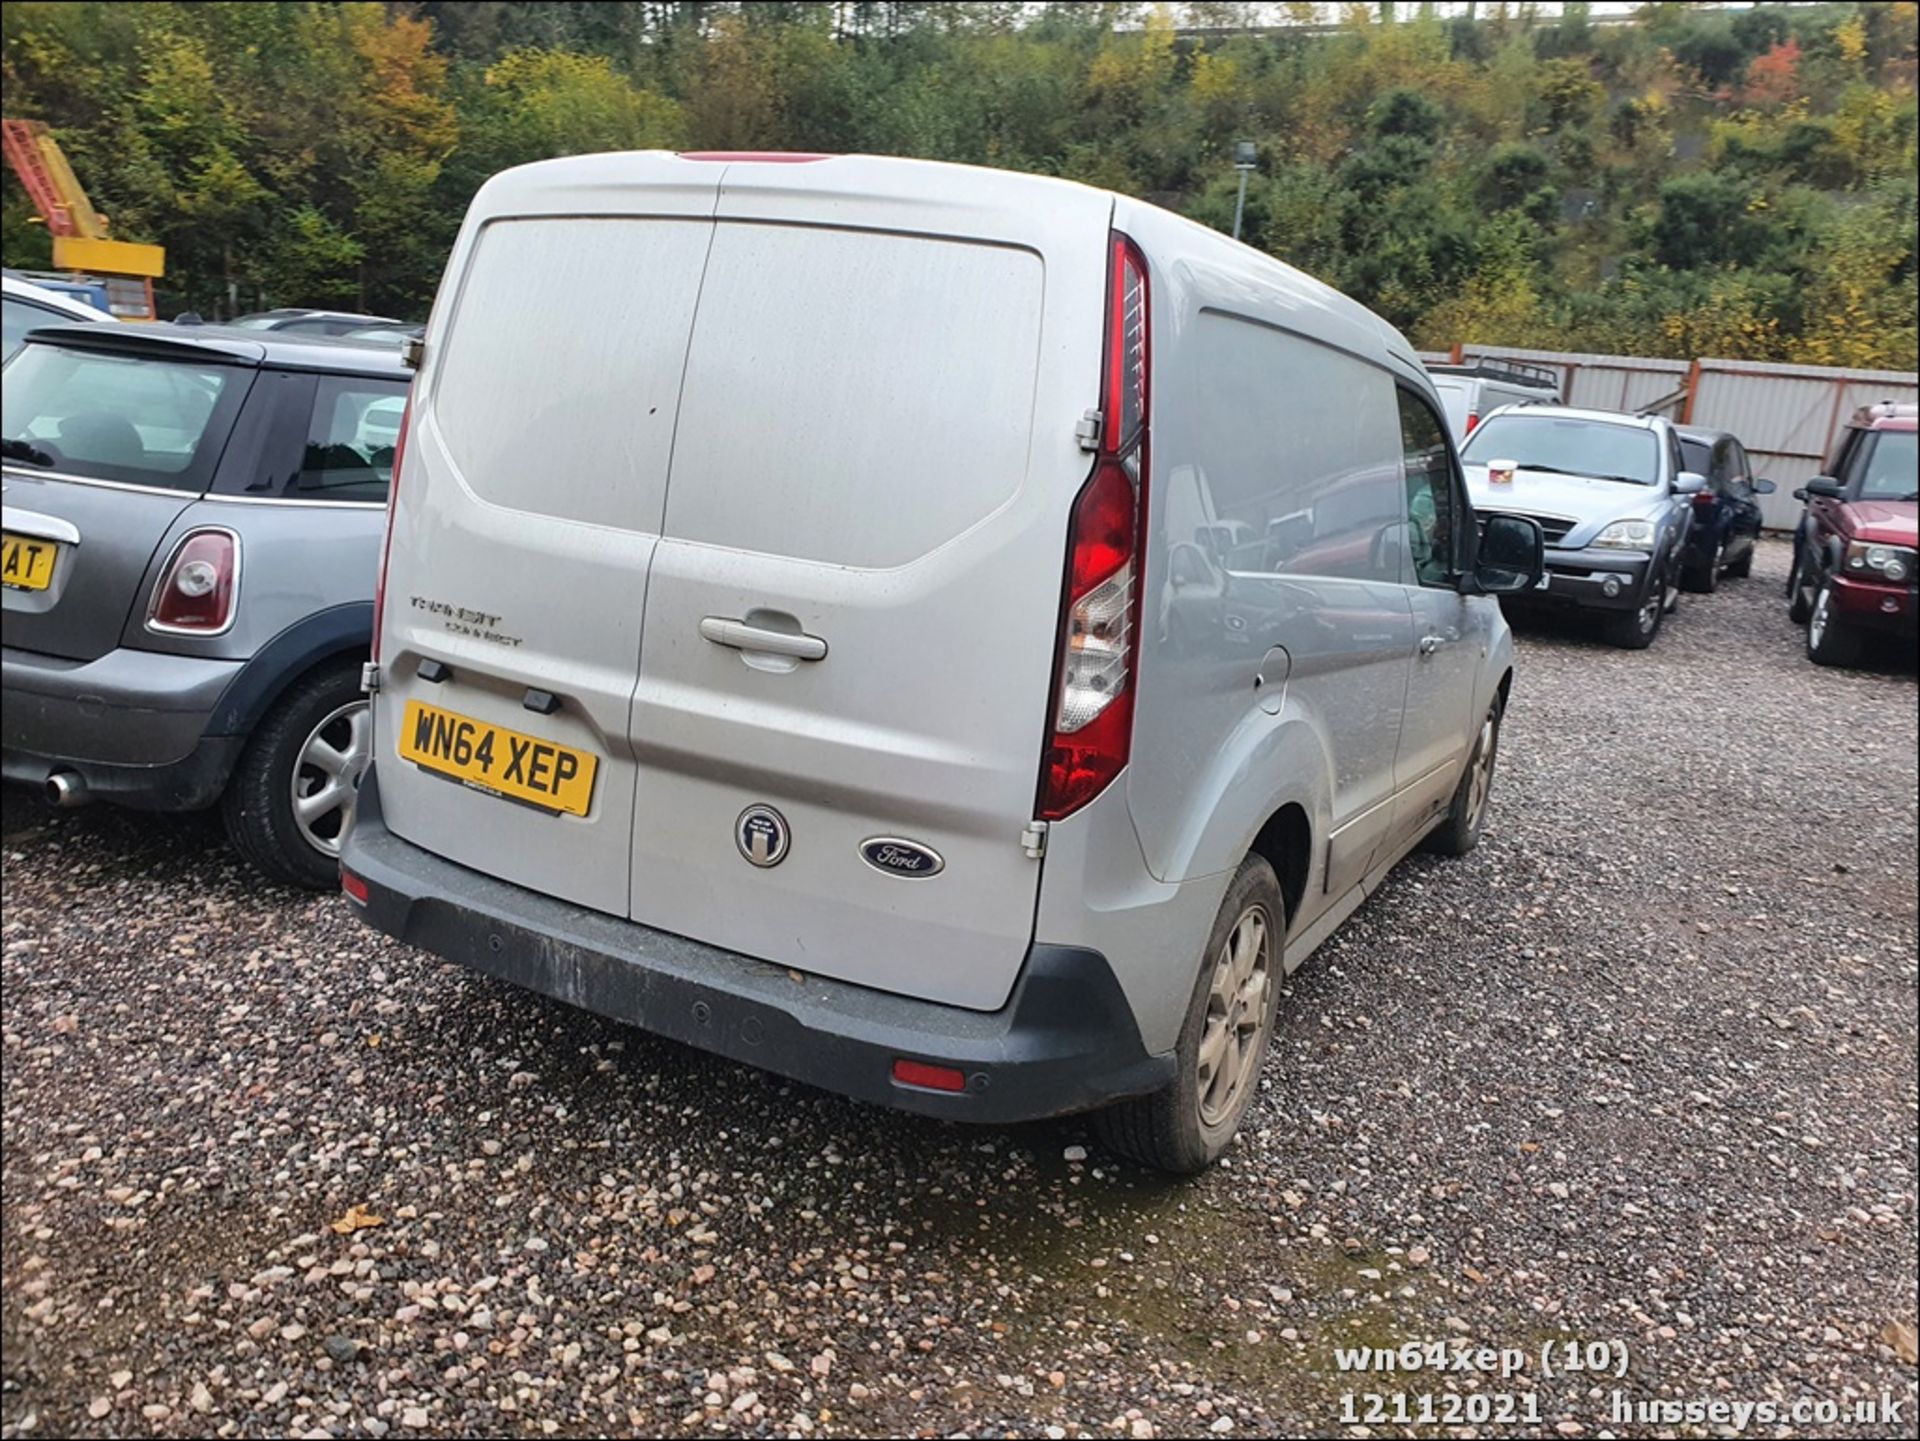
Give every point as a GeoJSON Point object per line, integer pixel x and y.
{"type": "Point", "coordinates": [1641, 1070]}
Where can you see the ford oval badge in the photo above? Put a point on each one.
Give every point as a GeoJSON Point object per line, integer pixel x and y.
{"type": "Point", "coordinates": [894, 857]}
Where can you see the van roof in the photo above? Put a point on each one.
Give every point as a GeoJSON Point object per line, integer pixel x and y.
{"type": "Point", "coordinates": [953, 198]}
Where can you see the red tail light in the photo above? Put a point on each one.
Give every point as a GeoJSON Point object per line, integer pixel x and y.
{"type": "Point", "coordinates": [1473, 419]}
{"type": "Point", "coordinates": [762, 157]}
{"type": "Point", "coordinates": [386, 543]}
{"type": "Point", "coordinates": [1091, 719]}
{"type": "Point", "coordinates": [1703, 500]}
{"type": "Point", "coordinates": [197, 589]}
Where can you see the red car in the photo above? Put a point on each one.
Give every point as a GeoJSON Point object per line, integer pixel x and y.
{"type": "Point", "coordinates": [1856, 554]}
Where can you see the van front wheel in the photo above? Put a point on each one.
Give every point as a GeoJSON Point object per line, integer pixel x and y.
{"type": "Point", "coordinates": [1467, 816]}
{"type": "Point", "coordinates": [1223, 1040]}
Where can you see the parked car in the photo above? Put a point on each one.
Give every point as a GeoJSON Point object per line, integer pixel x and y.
{"type": "Point", "coordinates": [1469, 392]}
{"type": "Point", "coordinates": [1614, 497]}
{"type": "Point", "coordinates": [1726, 515]}
{"type": "Point", "coordinates": [294, 321]}
{"type": "Point", "coordinates": [1854, 553]}
{"type": "Point", "coordinates": [192, 530]}
{"type": "Point", "coordinates": [27, 307]}
{"type": "Point", "coordinates": [770, 671]}
{"type": "Point", "coordinates": [394, 333]}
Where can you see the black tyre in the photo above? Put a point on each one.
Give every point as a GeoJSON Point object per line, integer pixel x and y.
{"type": "Point", "coordinates": [1635, 629]}
{"type": "Point", "coordinates": [1705, 578]}
{"type": "Point", "coordinates": [1830, 641]}
{"type": "Point", "coordinates": [1799, 593]}
{"type": "Point", "coordinates": [1743, 567]}
{"type": "Point", "coordinates": [290, 799]}
{"type": "Point", "coordinates": [1467, 816]}
{"type": "Point", "coordinates": [1223, 1041]}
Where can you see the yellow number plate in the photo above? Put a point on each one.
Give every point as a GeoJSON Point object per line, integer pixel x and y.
{"type": "Point", "coordinates": [498, 761]}
{"type": "Point", "coordinates": [26, 561]}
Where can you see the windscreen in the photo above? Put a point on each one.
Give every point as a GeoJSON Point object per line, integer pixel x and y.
{"type": "Point", "coordinates": [1567, 445]}
{"type": "Point", "coordinates": [133, 419]}
{"type": "Point", "coordinates": [1890, 471]}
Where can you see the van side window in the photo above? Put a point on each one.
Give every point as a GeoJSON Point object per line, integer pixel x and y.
{"type": "Point", "coordinates": [1431, 503]}
{"type": "Point", "coordinates": [351, 439]}
{"type": "Point", "coordinates": [1285, 456]}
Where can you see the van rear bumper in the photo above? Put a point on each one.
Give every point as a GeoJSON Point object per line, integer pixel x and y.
{"type": "Point", "coordinates": [1065, 1041]}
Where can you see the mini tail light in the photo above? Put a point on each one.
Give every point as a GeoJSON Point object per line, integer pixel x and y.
{"type": "Point", "coordinates": [386, 542]}
{"type": "Point", "coordinates": [1091, 724]}
{"type": "Point", "coordinates": [197, 587]}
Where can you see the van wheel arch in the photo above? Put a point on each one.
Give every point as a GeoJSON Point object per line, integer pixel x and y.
{"type": "Point", "coordinates": [1285, 842]}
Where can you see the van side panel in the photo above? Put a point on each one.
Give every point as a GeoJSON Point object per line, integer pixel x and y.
{"type": "Point", "coordinates": [1277, 634]}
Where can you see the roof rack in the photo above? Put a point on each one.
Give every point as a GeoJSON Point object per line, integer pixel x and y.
{"type": "Point", "coordinates": [1490, 367]}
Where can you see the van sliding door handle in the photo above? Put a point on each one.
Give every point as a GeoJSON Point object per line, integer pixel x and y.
{"type": "Point", "coordinates": [741, 636]}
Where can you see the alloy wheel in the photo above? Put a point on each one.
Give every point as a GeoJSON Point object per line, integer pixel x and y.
{"type": "Point", "coordinates": [1235, 1034]}
{"type": "Point", "coordinates": [325, 774]}
{"type": "Point", "coordinates": [1481, 783]}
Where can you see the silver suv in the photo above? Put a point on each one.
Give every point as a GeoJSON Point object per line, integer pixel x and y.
{"type": "Point", "coordinates": [192, 530]}
{"type": "Point", "coordinates": [1612, 495]}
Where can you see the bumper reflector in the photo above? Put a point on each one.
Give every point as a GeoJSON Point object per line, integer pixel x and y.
{"type": "Point", "coordinates": [930, 1078]}
{"type": "Point", "coordinates": [355, 888]}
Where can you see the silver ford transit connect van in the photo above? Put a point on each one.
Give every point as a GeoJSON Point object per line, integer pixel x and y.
{"type": "Point", "coordinates": [953, 637]}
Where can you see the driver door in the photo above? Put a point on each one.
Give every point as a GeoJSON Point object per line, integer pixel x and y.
{"type": "Point", "coordinates": [1449, 633]}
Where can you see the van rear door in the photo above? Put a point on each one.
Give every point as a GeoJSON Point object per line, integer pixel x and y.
{"type": "Point", "coordinates": [525, 518]}
{"type": "Point", "coordinates": [852, 612]}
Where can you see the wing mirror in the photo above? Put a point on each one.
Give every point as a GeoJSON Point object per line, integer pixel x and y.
{"type": "Point", "coordinates": [1764, 487]}
{"type": "Point", "coordinates": [1824, 486]}
{"type": "Point", "coordinates": [1512, 557]}
{"type": "Point", "coordinates": [1689, 482]}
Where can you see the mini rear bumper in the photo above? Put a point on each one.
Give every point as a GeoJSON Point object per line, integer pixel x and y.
{"type": "Point", "coordinates": [1065, 1041]}
{"type": "Point", "coordinates": [132, 724]}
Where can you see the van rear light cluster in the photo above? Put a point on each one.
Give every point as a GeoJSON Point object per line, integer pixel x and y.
{"type": "Point", "coordinates": [198, 586]}
{"type": "Point", "coordinates": [1092, 716]}
{"type": "Point", "coordinates": [1473, 419]}
{"type": "Point", "coordinates": [386, 543]}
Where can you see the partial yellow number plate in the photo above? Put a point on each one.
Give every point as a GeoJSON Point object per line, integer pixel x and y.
{"type": "Point", "coordinates": [498, 761]}
{"type": "Point", "coordinates": [26, 561]}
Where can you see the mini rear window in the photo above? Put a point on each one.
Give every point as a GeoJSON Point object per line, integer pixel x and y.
{"type": "Point", "coordinates": [135, 419]}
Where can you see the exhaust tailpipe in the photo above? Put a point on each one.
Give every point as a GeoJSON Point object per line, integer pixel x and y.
{"type": "Point", "coordinates": [66, 790]}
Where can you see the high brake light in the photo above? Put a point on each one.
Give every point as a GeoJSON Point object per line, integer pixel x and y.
{"type": "Point", "coordinates": [386, 542]}
{"type": "Point", "coordinates": [197, 587]}
{"type": "Point", "coordinates": [1091, 730]}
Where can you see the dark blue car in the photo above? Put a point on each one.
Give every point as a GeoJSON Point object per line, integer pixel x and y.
{"type": "Point", "coordinates": [1726, 515]}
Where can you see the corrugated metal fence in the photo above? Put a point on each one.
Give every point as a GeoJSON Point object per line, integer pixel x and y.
{"type": "Point", "coordinates": [1787, 416]}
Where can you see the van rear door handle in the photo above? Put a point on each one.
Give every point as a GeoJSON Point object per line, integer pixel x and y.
{"type": "Point", "coordinates": [741, 636]}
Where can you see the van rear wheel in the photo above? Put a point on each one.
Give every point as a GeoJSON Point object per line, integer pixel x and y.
{"type": "Point", "coordinates": [1223, 1040]}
